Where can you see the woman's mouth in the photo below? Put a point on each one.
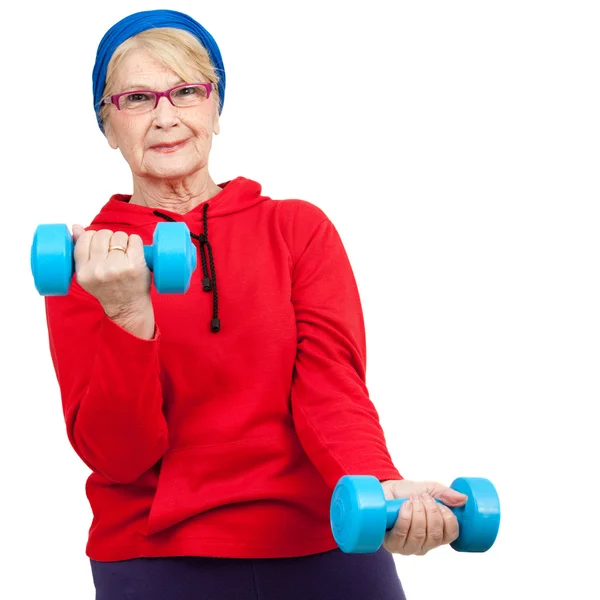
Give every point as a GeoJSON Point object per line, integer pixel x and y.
{"type": "Point", "coordinates": [168, 148]}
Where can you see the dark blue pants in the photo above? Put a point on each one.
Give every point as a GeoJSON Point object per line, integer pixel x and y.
{"type": "Point", "coordinates": [330, 575]}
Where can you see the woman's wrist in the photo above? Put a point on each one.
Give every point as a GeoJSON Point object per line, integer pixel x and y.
{"type": "Point", "coordinates": [137, 319]}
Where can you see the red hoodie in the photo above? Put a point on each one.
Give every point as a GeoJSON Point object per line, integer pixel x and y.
{"type": "Point", "coordinates": [222, 443]}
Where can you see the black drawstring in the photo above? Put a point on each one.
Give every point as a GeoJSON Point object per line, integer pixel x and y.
{"type": "Point", "coordinates": [207, 284]}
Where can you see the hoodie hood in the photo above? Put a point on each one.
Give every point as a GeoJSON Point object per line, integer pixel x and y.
{"type": "Point", "coordinates": [237, 195]}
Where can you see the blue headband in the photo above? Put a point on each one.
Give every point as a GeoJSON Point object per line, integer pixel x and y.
{"type": "Point", "coordinates": [141, 21]}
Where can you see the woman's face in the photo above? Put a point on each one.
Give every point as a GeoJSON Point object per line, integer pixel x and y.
{"type": "Point", "coordinates": [140, 136]}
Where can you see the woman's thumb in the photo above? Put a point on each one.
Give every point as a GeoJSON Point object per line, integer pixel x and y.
{"type": "Point", "coordinates": [451, 497]}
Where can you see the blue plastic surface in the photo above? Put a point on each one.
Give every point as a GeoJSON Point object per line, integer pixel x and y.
{"type": "Point", "coordinates": [52, 259]}
{"type": "Point", "coordinates": [360, 515]}
{"type": "Point", "coordinates": [479, 518]}
{"type": "Point", "coordinates": [172, 258]}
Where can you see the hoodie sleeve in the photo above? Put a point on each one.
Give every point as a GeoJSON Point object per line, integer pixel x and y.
{"type": "Point", "coordinates": [334, 417]}
{"type": "Point", "coordinates": [110, 387]}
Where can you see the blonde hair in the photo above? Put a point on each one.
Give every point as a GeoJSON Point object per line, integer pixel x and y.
{"type": "Point", "coordinates": [176, 49]}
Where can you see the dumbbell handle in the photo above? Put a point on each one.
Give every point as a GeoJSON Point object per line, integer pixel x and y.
{"type": "Point", "coordinates": [392, 508]}
{"type": "Point", "coordinates": [149, 256]}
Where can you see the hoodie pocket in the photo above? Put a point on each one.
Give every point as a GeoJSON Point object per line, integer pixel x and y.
{"type": "Point", "coordinates": [196, 479]}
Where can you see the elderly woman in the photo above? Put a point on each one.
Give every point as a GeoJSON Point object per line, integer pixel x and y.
{"type": "Point", "coordinates": [216, 423]}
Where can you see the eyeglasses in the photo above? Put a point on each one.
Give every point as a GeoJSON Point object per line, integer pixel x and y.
{"type": "Point", "coordinates": [181, 96]}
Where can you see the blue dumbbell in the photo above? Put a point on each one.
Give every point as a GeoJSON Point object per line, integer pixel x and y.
{"type": "Point", "coordinates": [171, 257]}
{"type": "Point", "coordinates": [360, 515]}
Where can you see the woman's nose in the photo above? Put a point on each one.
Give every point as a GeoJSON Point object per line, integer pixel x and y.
{"type": "Point", "coordinates": [166, 115]}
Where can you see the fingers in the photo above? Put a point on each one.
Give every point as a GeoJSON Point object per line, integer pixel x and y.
{"type": "Point", "coordinates": [435, 524]}
{"type": "Point", "coordinates": [410, 530]}
{"type": "Point", "coordinates": [422, 525]}
{"type": "Point", "coordinates": [135, 249]}
{"type": "Point", "coordinates": [94, 245]}
{"type": "Point", "coordinates": [119, 238]}
{"type": "Point", "coordinates": [418, 527]}
{"type": "Point", "coordinates": [77, 231]}
{"type": "Point", "coordinates": [395, 539]}
{"type": "Point", "coordinates": [99, 244]}
{"type": "Point", "coordinates": [81, 252]}
{"type": "Point", "coordinates": [450, 524]}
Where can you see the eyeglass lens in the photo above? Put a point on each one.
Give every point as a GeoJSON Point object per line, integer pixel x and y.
{"type": "Point", "coordinates": [181, 97]}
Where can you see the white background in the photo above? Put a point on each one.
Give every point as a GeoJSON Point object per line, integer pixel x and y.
{"type": "Point", "coordinates": [455, 145]}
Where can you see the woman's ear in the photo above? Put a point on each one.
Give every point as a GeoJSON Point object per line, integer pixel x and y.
{"type": "Point", "coordinates": [110, 135]}
{"type": "Point", "coordinates": [216, 125]}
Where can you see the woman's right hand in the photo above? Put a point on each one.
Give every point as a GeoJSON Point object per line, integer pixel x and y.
{"type": "Point", "coordinates": [119, 280]}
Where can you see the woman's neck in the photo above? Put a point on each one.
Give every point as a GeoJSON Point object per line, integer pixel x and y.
{"type": "Point", "coordinates": [179, 196]}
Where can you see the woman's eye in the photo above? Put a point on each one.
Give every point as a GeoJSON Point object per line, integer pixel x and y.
{"type": "Point", "coordinates": [187, 91]}
{"type": "Point", "coordinates": [137, 97]}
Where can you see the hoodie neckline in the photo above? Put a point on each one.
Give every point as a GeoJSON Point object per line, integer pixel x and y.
{"type": "Point", "coordinates": [223, 203]}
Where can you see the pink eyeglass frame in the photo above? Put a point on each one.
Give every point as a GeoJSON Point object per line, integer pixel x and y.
{"type": "Point", "coordinates": [114, 99]}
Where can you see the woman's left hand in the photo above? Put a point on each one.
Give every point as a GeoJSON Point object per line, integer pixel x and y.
{"type": "Point", "coordinates": [422, 523]}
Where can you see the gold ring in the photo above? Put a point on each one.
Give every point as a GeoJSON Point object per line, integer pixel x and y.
{"type": "Point", "coordinates": [117, 248]}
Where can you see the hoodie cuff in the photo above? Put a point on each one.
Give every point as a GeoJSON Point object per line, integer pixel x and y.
{"type": "Point", "coordinates": [111, 329]}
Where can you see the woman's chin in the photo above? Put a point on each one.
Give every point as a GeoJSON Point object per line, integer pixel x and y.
{"type": "Point", "coordinates": [171, 171]}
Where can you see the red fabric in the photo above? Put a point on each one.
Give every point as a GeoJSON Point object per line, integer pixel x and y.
{"type": "Point", "coordinates": [223, 444]}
